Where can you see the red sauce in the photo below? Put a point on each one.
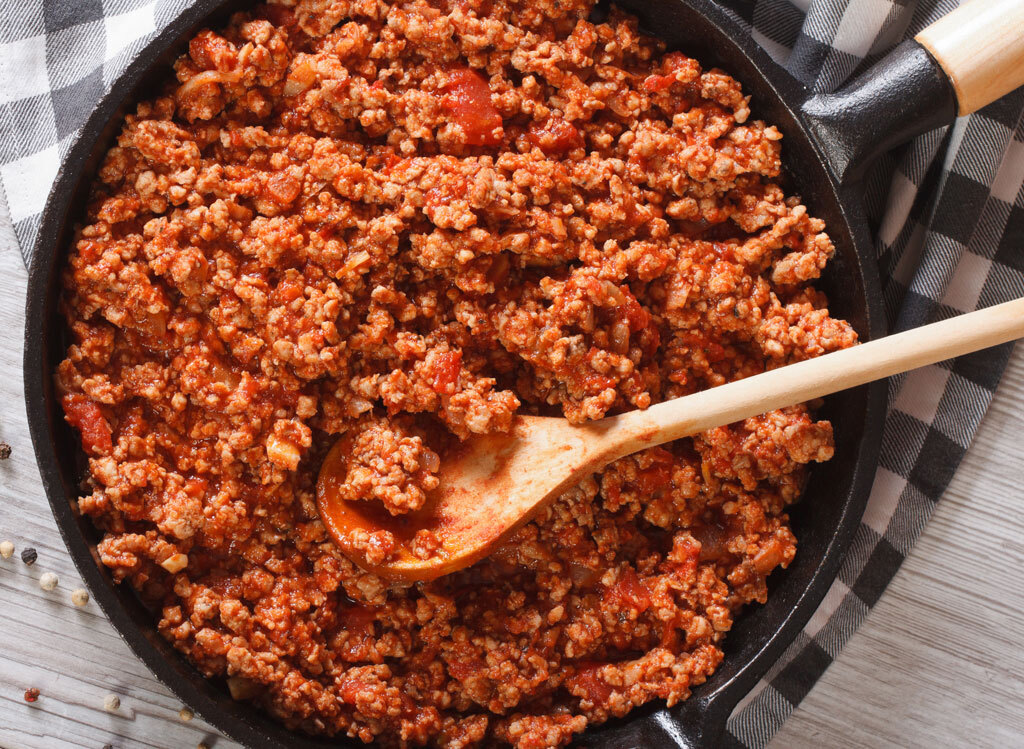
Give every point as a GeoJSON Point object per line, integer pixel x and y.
{"type": "Point", "coordinates": [278, 15]}
{"type": "Point", "coordinates": [628, 592]}
{"type": "Point", "coordinates": [463, 669]}
{"type": "Point", "coordinates": [587, 684]}
{"type": "Point", "coordinates": [283, 188]}
{"type": "Point", "coordinates": [555, 136]}
{"type": "Point", "coordinates": [290, 289]}
{"type": "Point", "coordinates": [658, 476]}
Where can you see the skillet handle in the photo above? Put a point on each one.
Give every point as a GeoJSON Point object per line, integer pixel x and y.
{"type": "Point", "coordinates": [980, 46]}
{"type": "Point", "coordinates": [960, 63]}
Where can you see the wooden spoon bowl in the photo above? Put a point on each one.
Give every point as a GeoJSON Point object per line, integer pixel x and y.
{"type": "Point", "coordinates": [484, 483]}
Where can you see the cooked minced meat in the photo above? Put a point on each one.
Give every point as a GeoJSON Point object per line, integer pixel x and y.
{"type": "Point", "coordinates": [428, 217]}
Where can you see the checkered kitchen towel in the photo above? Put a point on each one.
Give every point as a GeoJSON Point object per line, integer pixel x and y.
{"type": "Point", "coordinates": [948, 213]}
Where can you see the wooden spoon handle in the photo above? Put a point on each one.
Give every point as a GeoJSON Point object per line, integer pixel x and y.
{"type": "Point", "coordinates": [815, 378]}
{"type": "Point", "coordinates": [980, 45]}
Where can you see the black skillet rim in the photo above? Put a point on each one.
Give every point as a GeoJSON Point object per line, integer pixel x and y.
{"type": "Point", "coordinates": [710, 704]}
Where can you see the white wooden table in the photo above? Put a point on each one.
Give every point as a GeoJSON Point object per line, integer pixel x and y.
{"type": "Point", "coordinates": [939, 662]}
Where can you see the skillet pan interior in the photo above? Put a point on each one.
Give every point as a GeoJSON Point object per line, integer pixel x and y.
{"type": "Point", "coordinates": [823, 522]}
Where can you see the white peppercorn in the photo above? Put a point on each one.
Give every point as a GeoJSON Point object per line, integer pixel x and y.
{"type": "Point", "coordinates": [80, 596]}
{"type": "Point", "coordinates": [185, 714]}
{"type": "Point", "coordinates": [111, 702]}
{"type": "Point", "coordinates": [6, 549]}
{"type": "Point", "coordinates": [48, 581]}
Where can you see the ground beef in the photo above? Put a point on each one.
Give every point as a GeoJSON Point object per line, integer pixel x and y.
{"type": "Point", "coordinates": [400, 224]}
{"type": "Point", "coordinates": [386, 464]}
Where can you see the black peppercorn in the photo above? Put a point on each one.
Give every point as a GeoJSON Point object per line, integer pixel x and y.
{"type": "Point", "coordinates": [29, 556]}
{"type": "Point", "coordinates": [5, 451]}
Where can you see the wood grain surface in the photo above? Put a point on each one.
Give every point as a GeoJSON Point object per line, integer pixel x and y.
{"type": "Point", "coordinates": [939, 662]}
{"type": "Point", "coordinates": [980, 45]}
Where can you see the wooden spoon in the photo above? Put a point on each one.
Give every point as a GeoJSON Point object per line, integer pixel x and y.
{"type": "Point", "coordinates": [493, 483]}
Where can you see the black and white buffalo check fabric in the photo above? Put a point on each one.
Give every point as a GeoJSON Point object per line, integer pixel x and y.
{"type": "Point", "coordinates": [947, 211]}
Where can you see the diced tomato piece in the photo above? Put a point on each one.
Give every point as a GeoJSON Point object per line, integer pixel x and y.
{"type": "Point", "coordinates": [555, 136]}
{"type": "Point", "coordinates": [350, 688]}
{"type": "Point", "coordinates": [447, 366]}
{"type": "Point", "coordinates": [656, 83]}
{"type": "Point", "coordinates": [85, 415]}
{"type": "Point", "coordinates": [468, 100]}
{"type": "Point", "coordinates": [629, 592]}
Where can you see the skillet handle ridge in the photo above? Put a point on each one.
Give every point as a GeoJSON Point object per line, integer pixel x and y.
{"type": "Point", "coordinates": [965, 60]}
{"type": "Point", "coordinates": [980, 46]}
{"type": "Point", "coordinates": [903, 95]}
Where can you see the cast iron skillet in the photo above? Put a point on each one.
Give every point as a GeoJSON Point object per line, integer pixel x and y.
{"type": "Point", "coordinates": [828, 141]}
